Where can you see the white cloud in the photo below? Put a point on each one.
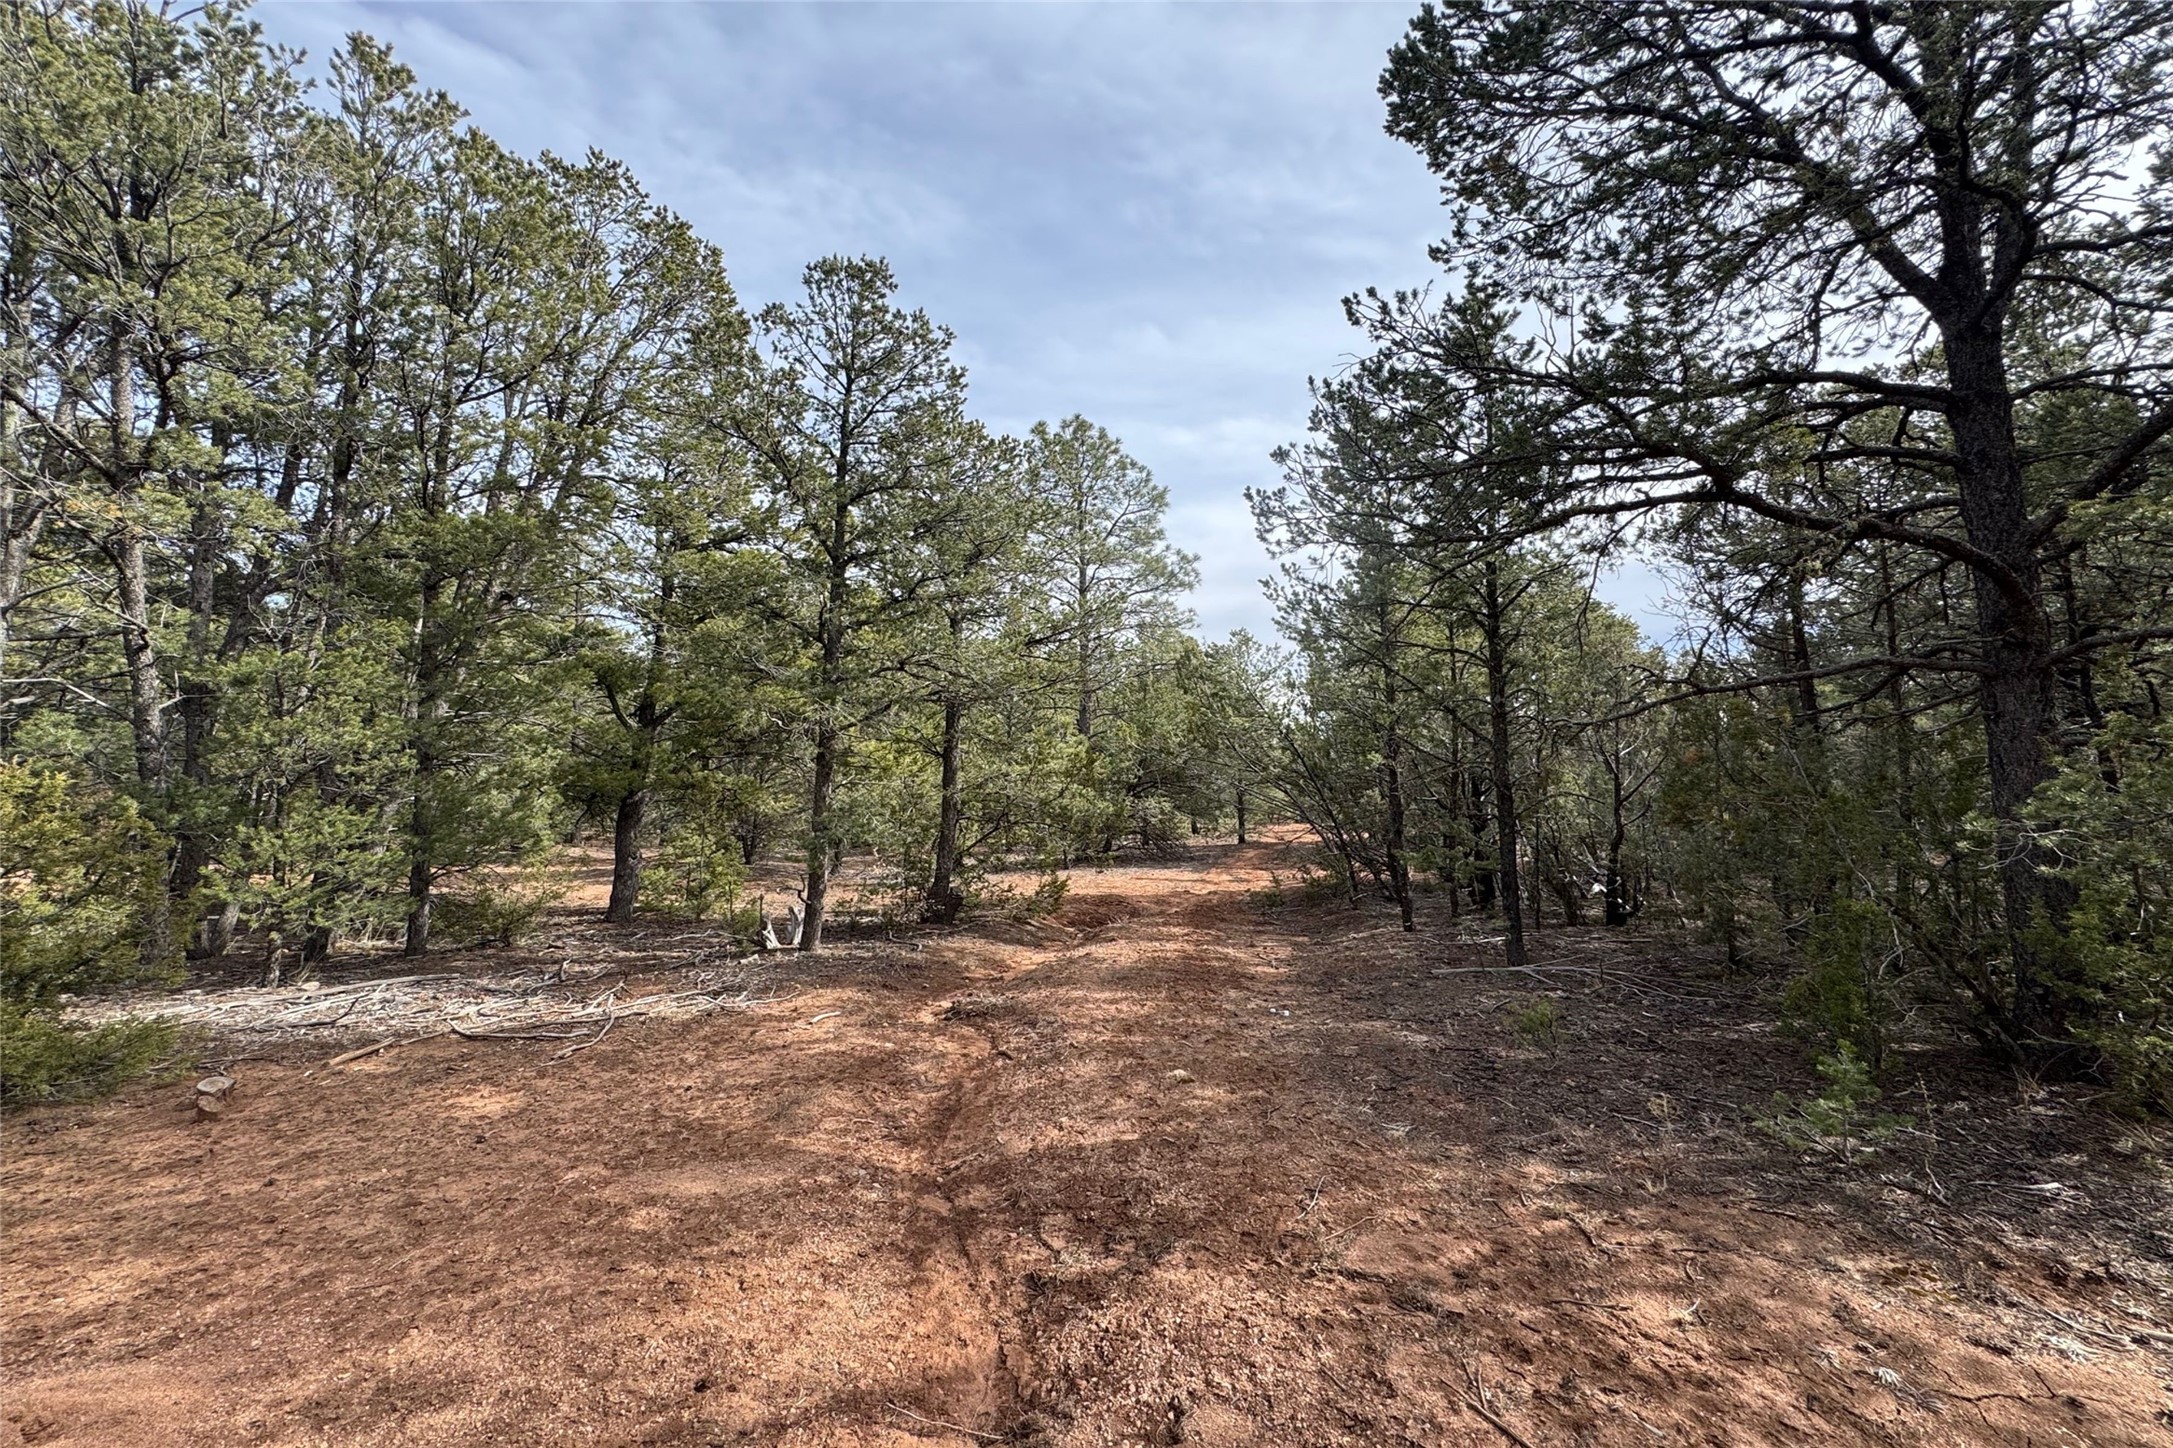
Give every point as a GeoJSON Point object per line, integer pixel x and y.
{"type": "Point", "coordinates": [1144, 213]}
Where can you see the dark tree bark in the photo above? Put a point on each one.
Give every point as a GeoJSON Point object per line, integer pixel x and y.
{"type": "Point", "coordinates": [2020, 683]}
{"type": "Point", "coordinates": [644, 728]}
{"type": "Point", "coordinates": [626, 855]}
{"type": "Point", "coordinates": [23, 510]}
{"type": "Point", "coordinates": [1399, 865]}
{"type": "Point", "coordinates": [821, 786]}
{"type": "Point", "coordinates": [1616, 903]}
{"type": "Point", "coordinates": [423, 748]}
{"type": "Point", "coordinates": [195, 708]}
{"type": "Point", "coordinates": [1082, 597]}
{"type": "Point", "coordinates": [1500, 760]}
{"type": "Point", "coordinates": [1388, 640]}
{"type": "Point", "coordinates": [1799, 907]}
{"type": "Point", "coordinates": [420, 878]}
{"type": "Point", "coordinates": [944, 897]}
{"type": "Point", "coordinates": [829, 742]}
{"type": "Point", "coordinates": [1485, 888]}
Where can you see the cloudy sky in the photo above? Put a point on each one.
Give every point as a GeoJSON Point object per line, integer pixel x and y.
{"type": "Point", "coordinates": [1143, 213]}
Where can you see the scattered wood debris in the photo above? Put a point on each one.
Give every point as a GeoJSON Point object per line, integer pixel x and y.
{"type": "Point", "coordinates": [383, 1013]}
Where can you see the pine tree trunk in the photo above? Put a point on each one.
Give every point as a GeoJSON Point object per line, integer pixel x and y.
{"type": "Point", "coordinates": [417, 941]}
{"type": "Point", "coordinates": [1485, 886]}
{"type": "Point", "coordinates": [196, 707]}
{"type": "Point", "coordinates": [1800, 902]}
{"type": "Point", "coordinates": [139, 652]}
{"type": "Point", "coordinates": [1500, 762]}
{"type": "Point", "coordinates": [648, 724]}
{"type": "Point", "coordinates": [1081, 595]}
{"type": "Point", "coordinates": [423, 748]}
{"type": "Point", "coordinates": [626, 854]}
{"type": "Point", "coordinates": [1399, 868]}
{"type": "Point", "coordinates": [818, 835]}
{"type": "Point", "coordinates": [1904, 770]}
{"type": "Point", "coordinates": [2018, 692]}
{"type": "Point", "coordinates": [146, 698]}
{"type": "Point", "coordinates": [828, 742]}
{"type": "Point", "coordinates": [22, 515]}
{"type": "Point", "coordinates": [944, 897]}
{"type": "Point", "coordinates": [1615, 902]}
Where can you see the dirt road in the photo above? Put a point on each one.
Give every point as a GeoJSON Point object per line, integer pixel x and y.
{"type": "Point", "coordinates": [1193, 1166]}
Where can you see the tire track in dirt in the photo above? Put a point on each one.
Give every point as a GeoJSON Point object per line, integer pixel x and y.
{"type": "Point", "coordinates": [957, 1141]}
{"type": "Point", "coordinates": [996, 1399]}
{"type": "Point", "coordinates": [959, 1132]}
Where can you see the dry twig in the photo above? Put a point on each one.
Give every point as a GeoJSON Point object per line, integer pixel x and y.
{"type": "Point", "coordinates": [957, 1427]}
{"type": "Point", "coordinates": [609, 1022]}
{"type": "Point", "coordinates": [1472, 1402]}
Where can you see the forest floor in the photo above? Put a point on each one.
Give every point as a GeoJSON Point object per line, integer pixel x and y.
{"type": "Point", "coordinates": [1191, 1163]}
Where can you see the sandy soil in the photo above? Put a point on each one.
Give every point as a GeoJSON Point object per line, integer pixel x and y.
{"type": "Point", "coordinates": [1190, 1166]}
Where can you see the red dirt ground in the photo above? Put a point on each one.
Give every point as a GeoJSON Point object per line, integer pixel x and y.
{"type": "Point", "coordinates": [1188, 1167]}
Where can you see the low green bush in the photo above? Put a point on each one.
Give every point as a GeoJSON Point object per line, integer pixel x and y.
{"type": "Point", "coordinates": [498, 908]}
{"type": "Point", "coordinates": [1842, 1119]}
{"type": "Point", "coordinates": [1538, 1023]}
{"type": "Point", "coordinates": [83, 910]}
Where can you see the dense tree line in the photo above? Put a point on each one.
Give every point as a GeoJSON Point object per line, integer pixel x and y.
{"type": "Point", "coordinates": [381, 508]}
{"type": "Point", "coordinates": [1853, 317]}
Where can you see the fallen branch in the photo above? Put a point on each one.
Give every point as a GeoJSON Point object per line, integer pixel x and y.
{"type": "Point", "coordinates": [382, 980]}
{"type": "Point", "coordinates": [359, 1053]}
{"type": "Point", "coordinates": [1499, 1426]}
{"type": "Point", "coordinates": [292, 1024]}
{"type": "Point", "coordinates": [2116, 1340]}
{"type": "Point", "coordinates": [467, 1035]}
{"type": "Point", "coordinates": [609, 1022]}
{"type": "Point", "coordinates": [960, 1428]}
{"type": "Point", "coordinates": [1576, 1222]}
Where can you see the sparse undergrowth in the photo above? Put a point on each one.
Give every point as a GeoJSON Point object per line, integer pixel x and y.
{"type": "Point", "coordinates": [81, 911]}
